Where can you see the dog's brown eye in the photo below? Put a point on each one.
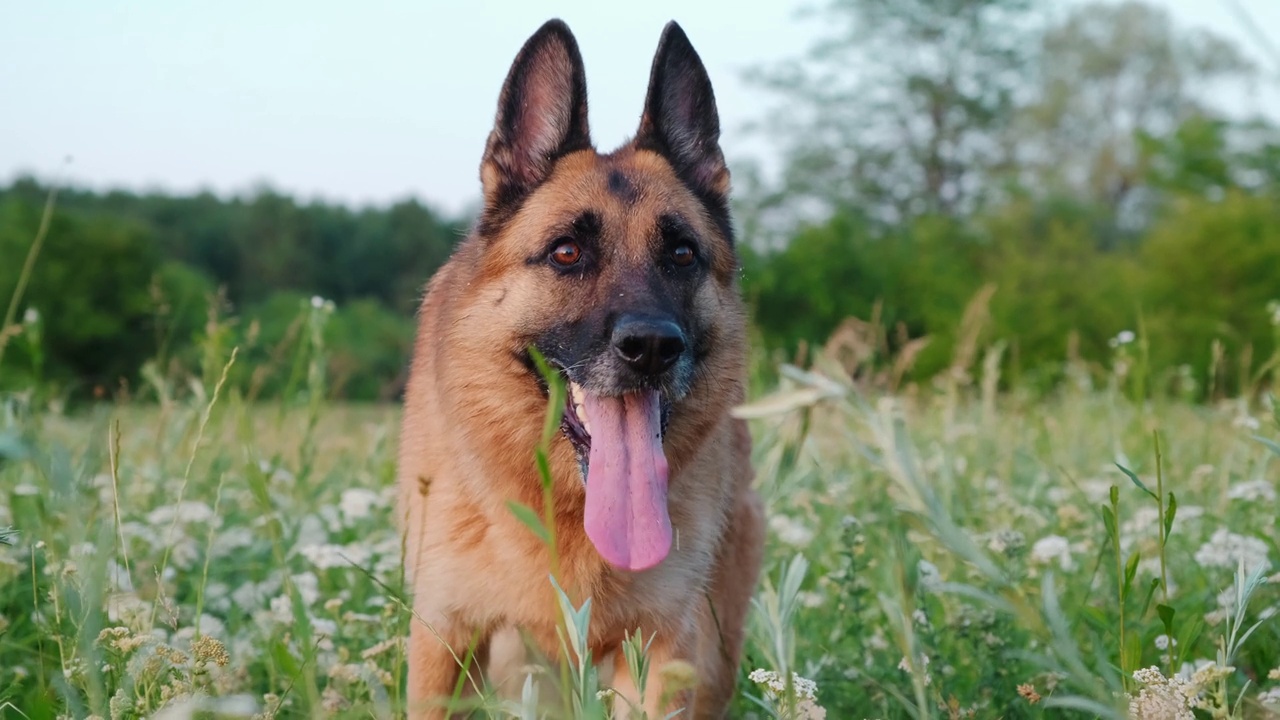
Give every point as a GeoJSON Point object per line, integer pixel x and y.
{"type": "Point", "coordinates": [566, 253]}
{"type": "Point", "coordinates": [682, 255]}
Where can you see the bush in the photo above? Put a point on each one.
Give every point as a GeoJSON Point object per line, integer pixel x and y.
{"type": "Point", "coordinates": [1210, 269]}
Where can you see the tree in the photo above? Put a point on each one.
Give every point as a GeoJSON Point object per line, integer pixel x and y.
{"type": "Point", "coordinates": [901, 111]}
{"type": "Point", "coordinates": [1107, 75]}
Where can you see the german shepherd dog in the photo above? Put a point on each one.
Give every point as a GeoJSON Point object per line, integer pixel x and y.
{"type": "Point", "coordinates": [620, 270]}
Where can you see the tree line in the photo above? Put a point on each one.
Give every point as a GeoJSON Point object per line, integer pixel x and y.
{"type": "Point", "coordinates": [1098, 171]}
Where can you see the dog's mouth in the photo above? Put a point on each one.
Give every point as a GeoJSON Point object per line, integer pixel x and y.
{"type": "Point", "coordinates": [618, 441]}
{"type": "Point", "coordinates": [577, 427]}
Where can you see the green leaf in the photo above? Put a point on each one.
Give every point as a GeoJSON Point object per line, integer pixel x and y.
{"type": "Point", "coordinates": [1095, 618]}
{"type": "Point", "coordinates": [1132, 651]}
{"type": "Point", "coordinates": [1109, 520]}
{"type": "Point", "coordinates": [1170, 512]}
{"type": "Point", "coordinates": [1151, 593]}
{"type": "Point", "coordinates": [529, 518]}
{"type": "Point", "coordinates": [284, 659]}
{"type": "Point", "coordinates": [1115, 495]}
{"type": "Point", "coordinates": [12, 447]}
{"type": "Point", "coordinates": [1166, 614]}
{"type": "Point", "coordinates": [1272, 445]}
{"type": "Point", "coordinates": [555, 396]}
{"type": "Point", "coordinates": [1190, 635]}
{"type": "Point", "coordinates": [1137, 482]}
{"type": "Point", "coordinates": [1130, 569]}
{"type": "Point", "coordinates": [544, 467]}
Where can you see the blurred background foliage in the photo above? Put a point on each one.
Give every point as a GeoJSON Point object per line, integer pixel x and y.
{"type": "Point", "coordinates": [1080, 164]}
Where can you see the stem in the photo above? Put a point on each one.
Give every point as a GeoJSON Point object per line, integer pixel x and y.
{"type": "Point", "coordinates": [45, 219]}
{"type": "Point", "coordinates": [1115, 541]}
{"type": "Point", "coordinates": [1164, 574]}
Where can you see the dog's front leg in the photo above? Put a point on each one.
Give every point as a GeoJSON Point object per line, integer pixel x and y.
{"type": "Point", "coordinates": [437, 646]}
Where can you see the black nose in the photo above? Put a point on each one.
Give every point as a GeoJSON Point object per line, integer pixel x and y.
{"type": "Point", "coordinates": [647, 345]}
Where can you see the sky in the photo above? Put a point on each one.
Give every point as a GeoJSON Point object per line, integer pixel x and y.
{"type": "Point", "coordinates": [369, 102]}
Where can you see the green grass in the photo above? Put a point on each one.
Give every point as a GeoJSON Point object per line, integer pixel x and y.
{"type": "Point", "coordinates": [943, 552]}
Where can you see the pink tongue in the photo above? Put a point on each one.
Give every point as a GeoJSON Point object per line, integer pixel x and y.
{"type": "Point", "coordinates": [626, 515]}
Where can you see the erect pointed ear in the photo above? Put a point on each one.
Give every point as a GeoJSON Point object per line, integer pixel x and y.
{"type": "Point", "coordinates": [680, 121]}
{"type": "Point", "coordinates": [542, 114]}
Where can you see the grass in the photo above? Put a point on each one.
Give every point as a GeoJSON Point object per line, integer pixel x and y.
{"type": "Point", "coordinates": [943, 551]}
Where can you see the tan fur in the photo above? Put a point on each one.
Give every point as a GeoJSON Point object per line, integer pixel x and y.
{"type": "Point", "coordinates": [473, 416]}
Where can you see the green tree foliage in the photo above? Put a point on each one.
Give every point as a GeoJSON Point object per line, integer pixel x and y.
{"type": "Point", "coordinates": [919, 279]}
{"type": "Point", "coordinates": [89, 291]}
{"type": "Point", "coordinates": [126, 278]}
{"type": "Point", "coordinates": [1106, 191]}
{"type": "Point", "coordinates": [1210, 270]}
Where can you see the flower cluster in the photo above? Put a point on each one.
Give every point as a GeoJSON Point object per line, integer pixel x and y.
{"type": "Point", "coordinates": [1161, 698]}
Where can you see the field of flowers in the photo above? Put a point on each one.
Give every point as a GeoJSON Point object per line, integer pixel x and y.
{"type": "Point", "coordinates": [940, 551]}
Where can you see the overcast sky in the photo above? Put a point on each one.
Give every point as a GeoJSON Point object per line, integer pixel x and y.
{"type": "Point", "coordinates": [358, 101]}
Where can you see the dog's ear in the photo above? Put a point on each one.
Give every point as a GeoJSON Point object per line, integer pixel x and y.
{"type": "Point", "coordinates": [680, 121]}
{"type": "Point", "coordinates": [542, 114]}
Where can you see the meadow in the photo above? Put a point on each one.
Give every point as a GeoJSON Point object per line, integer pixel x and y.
{"type": "Point", "coordinates": [946, 549]}
{"type": "Point", "coordinates": [987, 498]}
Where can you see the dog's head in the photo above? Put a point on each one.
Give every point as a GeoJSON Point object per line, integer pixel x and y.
{"type": "Point", "coordinates": [619, 268]}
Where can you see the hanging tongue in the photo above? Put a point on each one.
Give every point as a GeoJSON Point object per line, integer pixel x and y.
{"type": "Point", "coordinates": [626, 514]}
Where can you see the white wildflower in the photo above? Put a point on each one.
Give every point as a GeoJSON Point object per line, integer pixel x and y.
{"type": "Point", "coordinates": [1143, 522]}
{"type": "Point", "coordinates": [1270, 698]}
{"type": "Point", "coordinates": [930, 577]}
{"type": "Point", "coordinates": [1189, 669]}
{"type": "Point", "coordinates": [1053, 548]}
{"type": "Point", "coordinates": [771, 682]}
{"type": "Point", "coordinates": [1164, 641]}
{"type": "Point", "coordinates": [324, 556]}
{"type": "Point", "coordinates": [217, 596]}
{"type": "Point", "coordinates": [308, 586]}
{"type": "Point", "coordinates": [253, 595]}
{"type": "Point", "coordinates": [790, 531]}
{"type": "Point", "coordinates": [1006, 542]}
{"type": "Point", "coordinates": [118, 577]}
{"type": "Point", "coordinates": [31, 316]}
{"type": "Point", "coordinates": [228, 542]}
{"type": "Point", "coordinates": [129, 610]}
{"type": "Point", "coordinates": [1252, 491]}
{"type": "Point", "coordinates": [328, 555]}
{"type": "Point", "coordinates": [282, 609]}
{"type": "Point", "coordinates": [312, 531]}
{"type": "Point", "coordinates": [209, 626]}
{"type": "Point", "coordinates": [358, 503]}
{"type": "Point", "coordinates": [1161, 698]}
{"type": "Point", "coordinates": [142, 532]}
{"type": "Point", "coordinates": [1208, 674]}
{"type": "Point", "coordinates": [345, 672]}
{"type": "Point", "coordinates": [324, 627]}
{"type": "Point", "coordinates": [905, 666]}
{"type": "Point", "coordinates": [1226, 549]}
{"type": "Point", "coordinates": [187, 511]}
{"type": "Point", "coordinates": [1122, 338]}
{"type": "Point", "coordinates": [1246, 422]}
{"type": "Point", "coordinates": [184, 553]}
